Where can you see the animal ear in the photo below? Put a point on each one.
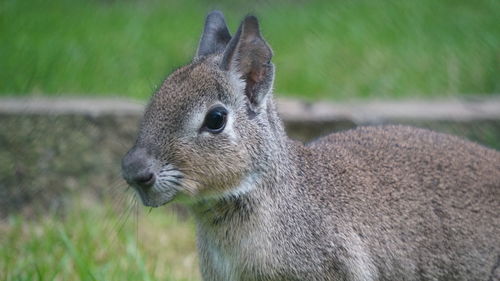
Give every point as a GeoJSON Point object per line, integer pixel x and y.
{"type": "Point", "coordinates": [249, 55]}
{"type": "Point", "coordinates": [215, 35]}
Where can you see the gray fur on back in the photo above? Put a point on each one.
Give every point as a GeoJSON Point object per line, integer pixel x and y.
{"type": "Point", "coordinates": [375, 203]}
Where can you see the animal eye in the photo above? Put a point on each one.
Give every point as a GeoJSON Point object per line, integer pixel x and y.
{"type": "Point", "coordinates": [215, 121]}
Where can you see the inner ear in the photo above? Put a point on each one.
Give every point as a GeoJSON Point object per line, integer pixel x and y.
{"type": "Point", "coordinates": [215, 35]}
{"type": "Point", "coordinates": [249, 55]}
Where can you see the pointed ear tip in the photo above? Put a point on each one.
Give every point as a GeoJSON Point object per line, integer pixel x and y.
{"type": "Point", "coordinates": [250, 25]}
{"type": "Point", "coordinates": [215, 19]}
{"type": "Point", "coordinates": [251, 19]}
{"type": "Point", "coordinates": [215, 14]}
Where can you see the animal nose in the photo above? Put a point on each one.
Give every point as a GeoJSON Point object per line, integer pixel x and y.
{"type": "Point", "coordinates": [145, 179]}
{"type": "Point", "coordinates": [136, 168]}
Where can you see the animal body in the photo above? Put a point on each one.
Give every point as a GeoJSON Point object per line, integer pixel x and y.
{"type": "Point", "coordinates": [373, 203]}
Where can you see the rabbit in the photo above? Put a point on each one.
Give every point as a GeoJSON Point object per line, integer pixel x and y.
{"type": "Point", "coordinates": [371, 203]}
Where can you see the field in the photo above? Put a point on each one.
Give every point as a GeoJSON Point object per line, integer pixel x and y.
{"type": "Point", "coordinates": [99, 241]}
{"type": "Point", "coordinates": [331, 50]}
{"type": "Point", "coordinates": [323, 49]}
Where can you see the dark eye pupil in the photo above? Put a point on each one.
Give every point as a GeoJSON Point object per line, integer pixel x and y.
{"type": "Point", "coordinates": [216, 119]}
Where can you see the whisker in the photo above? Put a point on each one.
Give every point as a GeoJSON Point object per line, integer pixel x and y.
{"type": "Point", "coordinates": [136, 204]}
{"type": "Point", "coordinates": [173, 182]}
{"type": "Point", "coordinates": [115, 206]}
{"type": "Point", "coordinates": [123, 221]}
{"type": "Point", "coordinates": [169, 170]}
{"type": "Point", "coordinates": [117, 201]}
{"type": "Point", "coordinates": [122, 216]}
{"type": "Point", "coordinates": [114, 185]}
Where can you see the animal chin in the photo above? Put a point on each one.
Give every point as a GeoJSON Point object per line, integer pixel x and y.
{"type": "Point", "coordinates": [156, 198]}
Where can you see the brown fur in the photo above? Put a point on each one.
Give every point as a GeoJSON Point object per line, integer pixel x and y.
{"type": "Point", "coordinates": [374, 203]}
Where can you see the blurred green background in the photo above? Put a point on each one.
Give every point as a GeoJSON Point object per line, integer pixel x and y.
{"type": "Point", "coordinates": [323, 49]}
{"type": "Point", "coordinates": [332, 50]}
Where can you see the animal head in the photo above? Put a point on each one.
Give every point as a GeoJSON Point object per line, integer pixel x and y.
{"type": "Point", "coordinates": [210, 123]}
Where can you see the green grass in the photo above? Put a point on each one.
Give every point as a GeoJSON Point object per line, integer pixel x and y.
{"type": "Point", "coordinates": [323, 49]}
{"type": "Point", "coordinates": [96, 242]}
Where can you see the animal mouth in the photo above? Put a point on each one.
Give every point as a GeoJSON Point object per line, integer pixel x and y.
{"type": "Point", "coordinates": [168, 182]}
{"type": "Point", "coordinates": [156, 199]}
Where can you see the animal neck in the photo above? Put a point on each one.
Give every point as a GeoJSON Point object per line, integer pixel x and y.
{"type": "Point", "coordinates": [254, 195]}
{"type": "Point", "coordinates": [240, 204]}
